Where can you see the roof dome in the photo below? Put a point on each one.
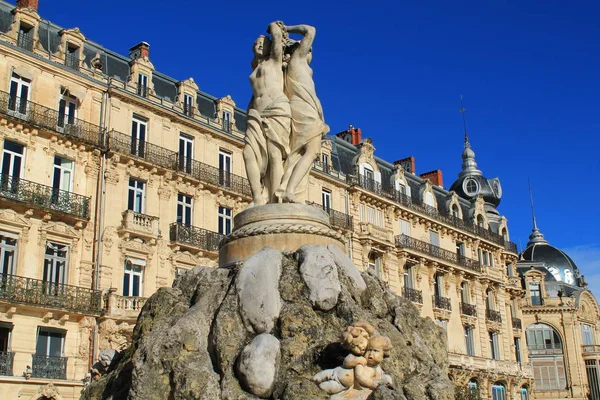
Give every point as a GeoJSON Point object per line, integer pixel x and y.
{"type": "Point", "coordinates": [558, 263]}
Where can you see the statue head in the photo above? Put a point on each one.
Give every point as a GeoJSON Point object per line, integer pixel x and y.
{"type": "Point", "coordinates": [356, 337]}
{"type": "Point", "coordinates": [262, 47]}
{"type": "Point", "coordinates": [377, 349]}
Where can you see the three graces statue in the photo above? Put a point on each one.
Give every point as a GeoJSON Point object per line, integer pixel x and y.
{"type": "Point", "coordinates": [285, 118]}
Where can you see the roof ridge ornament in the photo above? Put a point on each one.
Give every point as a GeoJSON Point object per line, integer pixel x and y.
{"type": "Point", "coordinates": [536, 236]}
{"type": "Point", "coordinates": [469, 166]}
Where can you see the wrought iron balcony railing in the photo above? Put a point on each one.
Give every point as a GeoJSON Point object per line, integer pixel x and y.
{"type": "Point", "coordinates": [212, 175]}
{"type": "Point", "coordinates": [442, 303]}
{"type": "Point", "coordinates": [142, 90]}
{"type": "Point", "coordinates": [227, 126]}
{"type": "Point", "coordinates": [414, 295]}
{"type": "Point", "coordinates": [193, 236]}
{"type": "Point", "coordinates": [468, 309]}
{"type": "Point", "coordinates": [49, 367]}
{"type": "Point", "coordinates": [25, 41]}
{"type": "Point", "coordinates": [188, 109]}
{"type": "Point", "coordinates": [373, 186]}
{"type": "Point", "coordinates": [6, 363]}
{"type": "Point", "coordinates": [47, 118]}
{"type": "Point", "coordinates": [337, 219]}
{"type": "Point", "coordinates": [44, 197]}
{"type": "Point", "coordinates": [72, 60]}
{"type": "Point", "coordinates": [493, 315]}
{"type": "Point", "coordinates": [407, 242]}
{"type": "Point", "coordinates": [36, 292]}
{"type": "Point", "coordinates": [517, 324]}
{"type": "Point", "coordinates": [149, 152]}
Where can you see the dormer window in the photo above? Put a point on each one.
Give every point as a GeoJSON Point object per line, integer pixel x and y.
{"type": "Point", "coordinates": [429, 200]}
{"type": "Point", "coordinates": [72, 56]}
{"type": "Point", "coordinates": [142, 85]}
{"type": "Point", "coordinates": [325, 162]}
{"type": "Point", "coordinates": [227, 125]}
{"type": "Point", "coordinates": [188, 105]}
{"type": "Point", "coordinates": [369, 176]}
{"type": "Point", "coordinates": [471, 187]}
{"type": "Point", "coordinates": [535, 294]}
{"type": "Point", "coordinates": [480, 221]}
{"type": "Point", "coordinates": [455, 211]}
{"type": "Point", "coordinates": [25, 38]}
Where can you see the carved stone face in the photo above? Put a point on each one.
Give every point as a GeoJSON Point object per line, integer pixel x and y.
{"type": "Point", "coordinates": [374, 354]}
{"type": "Point", "coordinates": [262, 47]}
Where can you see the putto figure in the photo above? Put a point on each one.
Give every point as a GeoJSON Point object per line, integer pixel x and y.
{"type": "Point", "coordinates": [285, 117]}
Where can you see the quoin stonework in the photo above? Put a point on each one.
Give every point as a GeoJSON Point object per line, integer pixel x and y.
{"type": "Point", "coordinates": [115, 178]}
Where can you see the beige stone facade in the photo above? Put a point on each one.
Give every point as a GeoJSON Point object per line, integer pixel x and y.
{"type": "Point", "coordinates": [116, 178]}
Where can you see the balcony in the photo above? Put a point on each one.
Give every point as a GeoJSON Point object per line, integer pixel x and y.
{"type": "Point", "coordinates": [25, 40]}
{"type": "Point", "coordinates": [441, 303]}
{"type": "Point", "coordinates": [417, 205]}
{"type": "Point", "coordinates": [517, 324]}
{"type": "Point", "coordinates": [407, 242]}
{"type": "Point", "coordinates": [414, 295]}
{"type": "Point", "coordinates": [212, 175]}
{"type": "Point", "coordinates": [590, 349]}
{"type": "Point", "coordinates": [188, 109]}
{"type": "Point", "coordinates": [155, 155]}
{"type": "Point", "coordinates": [72, 60]}
{"type": "Point", "coordinates": [46, 118]}
{"type": "Point", "coordinates": [36, 292]}
{"type": "Point", "coordinates": [49, 367]}
{"type": "Point", "coordinates": [318, 165]}
{"type": "Point", "coordinates": [124, 306]}
{"type": "Point", "coordinates": [545, 349]}
{"type": "Point", "coordinates": [142, 90]}
{"type": "Point", "coordinates": [227, 126]}
{"type": "Point", "coordinates": [371, 231]}
{"type": "Point", "coordinates": [195, 237]}
{"type": "Point", "coordinates": [493, 315]}
{"type": "Point", "coordinates": [468, 309]}
{"type": "Point", "coordinates": [44, 197]}
{"type": "Point", "coordinates": [140, 224]}
{"type": "Point", "coordinates": [337, 219]}
{"type": "Point", "coordinates": [6, 363]}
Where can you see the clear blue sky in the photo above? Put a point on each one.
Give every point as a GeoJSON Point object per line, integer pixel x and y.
{"type": "Point", "coordinates": [529, 72]}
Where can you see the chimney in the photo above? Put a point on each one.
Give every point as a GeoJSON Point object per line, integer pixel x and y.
{"type": "Point", "coordinates": [435, 177]}
{"type": "Point", "coordinates": [352, 135]}
{"type": "Point", "coordinates": [139, 51]}
{"type": "Point", "coordinates": [28, 4]}
{"type": "Point", "coordinates": [408, 164]}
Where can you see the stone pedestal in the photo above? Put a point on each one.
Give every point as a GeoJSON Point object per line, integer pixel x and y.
{"type": "Point", "coordinates": [285, 227]}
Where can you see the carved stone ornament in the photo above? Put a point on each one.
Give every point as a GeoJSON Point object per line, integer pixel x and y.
{"type": "Point", "coordinates": [48, 391]}
{"type": "Point", "coordinates": [360, 372]}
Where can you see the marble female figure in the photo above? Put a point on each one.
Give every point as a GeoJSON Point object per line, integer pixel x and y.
{"type": "Point", "coordinates": [308, 126]}
{"type": "Point", "coordinates": [269, 118]}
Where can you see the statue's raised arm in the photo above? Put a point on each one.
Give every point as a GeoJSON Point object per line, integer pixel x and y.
{"type": "Point", "coordinates": [308, 37]}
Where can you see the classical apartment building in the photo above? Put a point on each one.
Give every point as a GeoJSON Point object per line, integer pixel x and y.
{"type": "Point", "coordinates": [115, 178]}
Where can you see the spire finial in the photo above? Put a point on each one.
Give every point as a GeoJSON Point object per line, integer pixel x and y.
{"type": "Point", "coordinates": [536, 236]}
{"type": "Point", "coordinates": [463, 111]}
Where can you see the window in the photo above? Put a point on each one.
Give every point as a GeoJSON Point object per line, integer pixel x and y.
{"type": "Point", "coordinates": [137, 196]}
{"type": "Point", "coordinates": [224, 220]}
{"type": "Point", "coordinates": [434, 238]}
{"type": "Point", "coordinates": [133, 277]}
{"type": "Point", "coordinates": [63, 176]}
{"type": "Point", "coordinates": [587, 334]}
{"type": "Point", "coordinates": [509, 269]}
{"type": "Point", "coordinates": [186, 153]}
{"type": "Point", "coordinates": [224, 168]}
{"type": "Point", "coordinates": [470, 186]}
{"type": "Point", "coordinates": [55, 264]}
{"type": "Point", "coordinates": [379, 218]}
{"type": "Point", "coordinates": [8, 253]}
{"type": "Point", "coordinates": [518, 350]}
{"type": "Point", "coordinates": [67, 109]}
{"type": "Point", "coordinates": [375, 263]}
{"type": "Point", "coordinates": [72, 56]}
{"type": "Point", "coordinates": [50, 342]}
{"type": "Point", "coordinates": [20, 89]}
{"type": "Point", "coordinates": [465, 296]}
{"type": "Point", "coordinates": [504, 234]}
{"type": "Point", "coordinates": [369, 175]}
{"type": "Point", "coordinates": [460, 249]}
{"type": "Point", "coordinates": [408, 276]}
{"type": "Point", "coordinates": [455, 211]}
{"type": "Point", "coordinates": [480, 221]}
{"type": "Point", "coordinates": [498, 391]}
{"type": "Point", "coordinates": [227, 125]}
{"type": "Point", "coordinates": [535, 294]}
{"type": "Point", "coordinates": [138, 136]}
{"type": "Point", "coordinates": [361, 213]}
{"type": "Point", "coordinates": [25, 39]}
{"type": "Point", "coordinates": [325, 161]}
{"type": "Point", "coordinates": [142, 85]}
{"type": "Point", "coordinates": [188, 105]}
{"type": "Point", "coordinates": [524, 393]}
{"type": "Point", "coordinates": [184, 209]}
{"type": "Point", "coordinates": [370, 215]}
{"type": "Point", "coordinates": [5, 336]}
{"type": "Point", "coordinates": [546, 357]}
{"type": "Point", "coordinates": [490, 300]}
{"type": "Point", "coordinates": [438, 285]}
{"type": "Point", "coordinates": [12, 159]}
{"type": "Point", "coordinates": [469, 342]}
{"type": "Point", "coordinates": [429, 200]}
{"type": "Point", "coordinates": [494, 346]}
{"type": "Point", "coordinates": [326, 199]}
{"type": "Point", "coordinates": [404, 227]}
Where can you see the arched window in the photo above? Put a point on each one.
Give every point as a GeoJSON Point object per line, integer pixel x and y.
{"type": "Point", "coordinates": [505, 234]}
{"type": "Point", "coordinates": [546, 357]}
{"type": "Point", "coordinates": [524, 393]}
{"type": "Point", "coordinates": [480, 221]}
{"type": "Point", "coordinates": [429, 200]}
{"type": "Point", "coordinates": [455, 211]}
{"type": "Point", "coordinates": [498, 391]}
{"type": "Point", "coordinates": [375, 263]}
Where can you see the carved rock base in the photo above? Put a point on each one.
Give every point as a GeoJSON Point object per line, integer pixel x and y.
{"type": "Point", "coordinates": [284, 227]}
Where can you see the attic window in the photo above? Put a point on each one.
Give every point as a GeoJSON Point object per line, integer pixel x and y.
{"type": "Point", "coordinates": [471, 187]}
{"type": "Point", "coordinates": [188, 105]}
{"type": "Point", "coordinates": [227, 125]}
{"type": "Point", "coordinates": [72, 56]}
{"type": "Point", "coordinates": [25, 39]}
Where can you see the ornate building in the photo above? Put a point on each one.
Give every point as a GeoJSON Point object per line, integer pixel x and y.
{"type": "Point", "coordinates": [115, 178]}
{"type": "Point", "coordinates": [561, 319]}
